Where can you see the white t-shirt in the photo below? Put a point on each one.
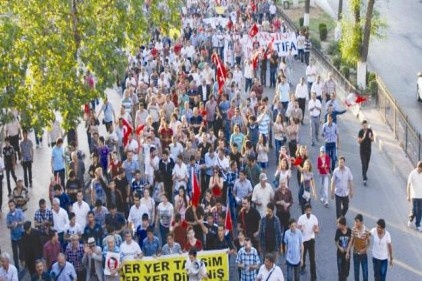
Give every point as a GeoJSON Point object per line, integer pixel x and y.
{"type": "Point", "coordinates": [415, 182]}
{"type": "Point", "coordinates": [263, 196]}
{"type": "Point", "coordinates": [380, 246]}
{"type": "Point", "coordinates": [135, 214]}
{"type": "Point", "coordinates": [76, 229]}
{"type": "Point", "coordinates": [60, 219]}
{"type": "Point", "coordinates": [275, 271]}
{"type": "Point", "coordinates": [307, 226]}
{"type": "Point", "coordinates": [81, 212]}
{"type": "Point", "coordinates": [130, 252]}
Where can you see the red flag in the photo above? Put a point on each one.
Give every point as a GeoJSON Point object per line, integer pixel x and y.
{"type": "Point", "coordinates": [228, 224]}
{"type": "Point", "coordinates": [253, 6]}
{"type": "Point", "coordinates": [196, 191]}
{"type": "Point", "coordinates": [139, 129]}
{"type": "Point", "coordinates": [127, 130]}
{"type": "Point", "coordinates": [270, 46]}
{"type": "Point", "coordinates": [255, 58]}
{"type": "Point", "coordinates": [221, 72]}
{"type": "Point", "coordinates": [253, 30]}
{"type": "Point", "coordinates": [360, 99]}
{"type": "Point", "coordinates": [229, 25]}
{"type": "Point", "coordinates": [297, 161]}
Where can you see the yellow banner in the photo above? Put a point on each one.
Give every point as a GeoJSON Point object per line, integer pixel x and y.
{"type": "Point", "coordinates": [172, 267]}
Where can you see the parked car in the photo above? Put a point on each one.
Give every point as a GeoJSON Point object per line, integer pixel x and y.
{"type": "Point", "coordinates": [419, 87]}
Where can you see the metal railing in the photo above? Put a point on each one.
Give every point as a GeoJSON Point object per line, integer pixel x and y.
{"type": "Point", "coordinates": [408, 137]}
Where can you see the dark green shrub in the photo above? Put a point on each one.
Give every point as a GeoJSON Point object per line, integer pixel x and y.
{"type": "Point", "coordinates": [333, 49]}
{"type": "Point", "coordinates": [345, 71]}
{"type": "Point", "coordinates": [301, 22]}
{"type": "Point", "coordinates": [323, 32]}
{"type": "Point", "coordinates": [337, 62]}
{"type": "Point", "coordinates": [373, 86]}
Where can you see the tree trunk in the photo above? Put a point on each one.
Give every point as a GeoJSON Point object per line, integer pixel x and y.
{"type": "Point", "coordinates": [367, 30]}
{"type": "Point", "coordinates": [340, 10]}
{"type": "Point", "coordinates": [306, 15]}
{"type": "Point", "coordinates": [362, 65]}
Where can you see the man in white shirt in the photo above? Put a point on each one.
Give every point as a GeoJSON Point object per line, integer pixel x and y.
{"type": "Point", "coordinates": [180, 174]}
{"type": "Point", "coordinates": [60, 219]}
{"type": "Point", "coordinates": [314, 107]}
{"type": "Point", "coordinates": [414, 193]}
{"type": "Point", "coordinates": [317, 87]}
{"type": "Point", "coordinates": [302, 94]}
{"type": "Point", "coordinates": [8, 272]}
{"type": "Point", "coordinates": [129, 249]}
{"type": "Point", "coordinates": [262, 194]}
{"type": "Point", "coordinates": [269, 271]}
{"type": "Point", "coordinates": [81, 209]}
{"type": "Point", "coordinates": [136, 212]}
{"type": "Point", "coordinates": [311, 74]}
{"type": "Point", "coordinates": [308, 224]}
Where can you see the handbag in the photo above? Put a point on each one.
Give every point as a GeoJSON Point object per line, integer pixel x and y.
{"type": "Point", "coordinates": [306, 195]}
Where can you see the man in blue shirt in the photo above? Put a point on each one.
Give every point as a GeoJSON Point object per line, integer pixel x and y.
{"type": "Point", "coordinates": [58, 161]}
{"type": "Point", "coordinates": [294, 249]}
{"type": "Point", "coordinates": [151, 245]}
{"type": "Point", "coordinates": [15, 220]}
{"type": "Point", "coordinates": [330, 133]}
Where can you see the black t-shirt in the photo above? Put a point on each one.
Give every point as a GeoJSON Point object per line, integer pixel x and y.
{"type": "Point", "coordinates": [250, 222]}
{"type": "Point", "coordinates": [189, 217]}
{"type": "Point", "coordinates": [121, 185]}
{"type": "Point", "coordinates": [8, 154]}
{"type": "Point", "coordinates": [343, 239]}
{"type": "Point", "coordinates": [211, 236]}
{"type": "Point", "coordinates": [365, 145]}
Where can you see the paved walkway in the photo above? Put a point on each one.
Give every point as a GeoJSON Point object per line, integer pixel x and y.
{"type": "Point", "coordinates": [383, 197]}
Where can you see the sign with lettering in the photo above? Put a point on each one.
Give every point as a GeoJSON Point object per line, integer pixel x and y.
{"type": "Point", "coordinates": [172, 267]}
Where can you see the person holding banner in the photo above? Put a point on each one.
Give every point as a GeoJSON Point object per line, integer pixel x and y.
{"type": "Point", "coordinates": [111, 255]}
{"type": "Point", "coordinates": [195, 269]}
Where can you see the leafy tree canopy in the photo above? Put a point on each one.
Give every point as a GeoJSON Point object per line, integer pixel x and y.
{"type": "Point", "coordinates": [48, 45]}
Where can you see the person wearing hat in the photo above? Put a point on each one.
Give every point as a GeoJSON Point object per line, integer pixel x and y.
{"type": "Point", "coordinates": [262, 194]}
{"type": "Point", "coordinates": [323, 165]}
{"type": "Point", "coordinates": [92, 260]}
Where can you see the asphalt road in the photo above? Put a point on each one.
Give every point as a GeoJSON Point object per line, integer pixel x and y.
{"type": "Point", "coordinates": [384, 197]}
{"type": "Point", "coordinates": [396, 56]}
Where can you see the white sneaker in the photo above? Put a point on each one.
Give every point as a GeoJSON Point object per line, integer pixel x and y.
{"type": "Point", "coordinates": [409, 224]}
{"type": "Point", "coordinates": [419, 229]}
{"type": "Point", "coordinates": [326, 204]}
{"type": "Point", "coordinates": [321, 199]}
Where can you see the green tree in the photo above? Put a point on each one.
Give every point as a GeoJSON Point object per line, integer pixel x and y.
{"type": "Point", "coordinates": [48, 45]}
{"type": "Point", "coordinates": [355, 36]}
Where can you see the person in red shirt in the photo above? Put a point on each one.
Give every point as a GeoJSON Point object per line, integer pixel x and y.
{"type": "Point", "coordinates": [165, 133]}
{"type": "Point", "coordinates": [178, 228]}
{"type": "Point", "coordinates": [192, 242]}
{"type": "Point", "coordinates": [323, 164]}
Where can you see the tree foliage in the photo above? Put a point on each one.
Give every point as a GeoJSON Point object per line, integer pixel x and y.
{"type": "Point", "coordinates": [353, 43]}
{"type": "Point", "coordinates": [48, 45]}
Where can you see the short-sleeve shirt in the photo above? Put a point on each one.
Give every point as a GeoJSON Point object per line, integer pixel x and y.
{"type": "Point", "coordinates": [293, 241]}
{"type": "Point", "coordinates": [341, 178]}
{"type": "Point", "coordinates": [380, 245]}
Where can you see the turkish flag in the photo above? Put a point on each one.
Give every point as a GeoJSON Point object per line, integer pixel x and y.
{"type": "Point", "coordinates": [255, 58]}
{"type": "Point", "coordinates": [221, 71]}
{"type": "Point", "coordinates": [228, 224]}
{"type": "Point", "coordinates": [127, 130]}
{"type": "Point", "coordinates": [196, 191]}
{"type": "Point", "coordinates": [253, 30]}
{"type": "Point", "coordinates": [360, 99]}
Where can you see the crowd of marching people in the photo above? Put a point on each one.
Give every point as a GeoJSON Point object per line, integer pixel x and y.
{"type": "Point", "coordinates": [181, 163]}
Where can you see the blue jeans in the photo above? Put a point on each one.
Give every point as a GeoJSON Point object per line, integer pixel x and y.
{"type": "Point", "coordinates": [380, 269]}
{"type": "Point", "coordinates": [293, 272]}
{"type": "Point", "coordinates": [331, 150]}
{"type": "Point", "coordinates": [273, 74]}
{"type": "Point", "coordinates": [278, 145]}
{"type": "Point", "coordinates": [417, 210]}
{"type": "Point", "coordinates": [163, 233]}
{"type": "Point", "coordinates": [360, 260]}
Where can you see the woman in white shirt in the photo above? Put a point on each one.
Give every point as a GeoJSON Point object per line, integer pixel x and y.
{"type": "Point", "coordinates": [382, 250]}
